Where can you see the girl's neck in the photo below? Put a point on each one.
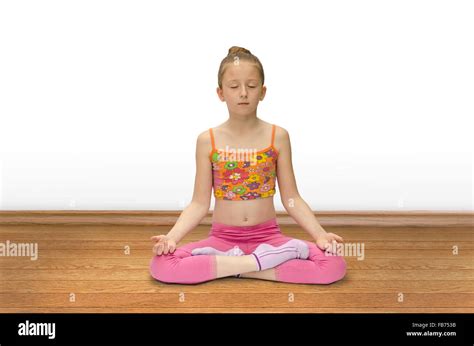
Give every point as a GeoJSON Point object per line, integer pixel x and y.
{"type": "Point", "coordinates": [240, 125]}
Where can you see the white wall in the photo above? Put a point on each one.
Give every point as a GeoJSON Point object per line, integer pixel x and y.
{"type": "Point", "coordinates": [101, 101]}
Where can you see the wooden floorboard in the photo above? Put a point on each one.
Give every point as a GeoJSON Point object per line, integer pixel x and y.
{"type": "Point", "coordinates": [289, 310]}
{"type": "Point", "coordinates": [222, 300]}
{"type": "Point", "coordinates": [88, 262]}
{"type": "Point", "coordinates": [228, 285]}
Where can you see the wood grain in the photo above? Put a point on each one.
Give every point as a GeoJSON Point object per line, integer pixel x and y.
{"type": "Point", "coordinates": [89, 261]}
{"type": "Point", "coordinates": [409, 218]}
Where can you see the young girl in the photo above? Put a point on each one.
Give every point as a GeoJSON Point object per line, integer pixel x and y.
{"type": "Point", "coordinates": [241, 160]}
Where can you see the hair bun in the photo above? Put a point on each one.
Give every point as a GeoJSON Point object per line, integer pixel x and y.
{"type": "Point", "coordinates": [236, 54]}
{"type": "Point", "coordinates": [237, 49]}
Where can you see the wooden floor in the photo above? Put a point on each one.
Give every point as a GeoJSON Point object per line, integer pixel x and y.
{"type": "Point", "coordinates": [86, 269]}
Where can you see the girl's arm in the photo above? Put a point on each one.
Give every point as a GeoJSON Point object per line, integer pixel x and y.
{"type": "Point", "coordinates": [296, 207]}
{"type": "Point", "coordinates": [199, 206]}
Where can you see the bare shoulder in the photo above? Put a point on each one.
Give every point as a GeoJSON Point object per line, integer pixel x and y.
{"type": "Point", "coordinates": [281, 132]}
{"type": "Point", "coordinates": [204, 137]}
{"type": "Point", "coordinates": [204, 143]}
{"type": "Point", "coordinates": [282, 137]}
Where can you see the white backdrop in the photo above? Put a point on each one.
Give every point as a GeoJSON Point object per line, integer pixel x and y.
{"type": "Point", "coordinates": [101, 101]}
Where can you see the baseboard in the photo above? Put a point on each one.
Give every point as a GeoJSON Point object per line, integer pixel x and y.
{"type": "Point", "coordinates": [162, 218]}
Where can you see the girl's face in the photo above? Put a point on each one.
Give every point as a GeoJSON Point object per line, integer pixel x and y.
{"type": "Point", "coordinates": [241, 88]}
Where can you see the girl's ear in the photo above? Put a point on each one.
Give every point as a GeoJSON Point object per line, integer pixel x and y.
{"type": "Point", "coordinates": [262, 94]}
{"type": "Point", "coordinates": [220, 94]}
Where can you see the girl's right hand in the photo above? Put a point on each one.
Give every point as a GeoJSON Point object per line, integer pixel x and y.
{"type": "Point", "coordinates": [163, 245]}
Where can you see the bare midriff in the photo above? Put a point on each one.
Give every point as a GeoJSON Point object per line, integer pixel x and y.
{"type": "Point", "coordinates": [244, 213]}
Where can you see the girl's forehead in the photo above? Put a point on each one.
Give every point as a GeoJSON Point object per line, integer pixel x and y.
{"type": "Point", "coordinates": [245, 72]}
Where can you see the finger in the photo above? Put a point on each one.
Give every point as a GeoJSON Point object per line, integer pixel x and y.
{"type": "Point", "coordinates": [156, 238]}
{"type": "Point", "coordinates": [165, 247]}
{"type": "Point", "coordinates": [172, 248]}
{"type": "Point", "coordinates": [326, 246]}
{"type": "Point", "coordinates": [159, 248]}
{"type": "Point", "coordinates": [330, 246]}
{"type": "Point", "coordinates": [339, 238]}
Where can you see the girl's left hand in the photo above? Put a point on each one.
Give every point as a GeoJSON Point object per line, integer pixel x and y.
{"type": "Point", "coordinates": [325, 241]}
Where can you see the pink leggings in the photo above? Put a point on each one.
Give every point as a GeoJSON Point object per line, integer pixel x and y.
{"type": "Point", "coordinates": [183, 268]}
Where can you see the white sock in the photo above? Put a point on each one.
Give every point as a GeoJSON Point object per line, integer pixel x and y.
{"type": "Point", "coordinates": [235, 251]}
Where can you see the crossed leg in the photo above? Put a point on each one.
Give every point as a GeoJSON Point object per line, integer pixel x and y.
{"type": "Point", "coordinates": [183, 267]}
{"type": "Point", "coordinates": [318, 268]}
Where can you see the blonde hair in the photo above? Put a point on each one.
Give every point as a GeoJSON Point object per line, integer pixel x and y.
{"type": "Point", "coordinates": [237, 53]}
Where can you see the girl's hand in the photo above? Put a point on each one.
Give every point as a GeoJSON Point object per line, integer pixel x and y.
{"type": "Point", "coordinates": [164, 245]}
{"type": "Point", "coordinates": [326, 241]}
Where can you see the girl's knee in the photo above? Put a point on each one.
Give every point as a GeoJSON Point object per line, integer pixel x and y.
{"type": "Point", "coordinates": [338, 268]}
{"type": "Point", "coordinates": [160, 268]}
{"type": "Point", "coordinates": [154, 266]}
{"type": "Point", "coordinates": [342, 266]}
{"type": "Point", "coordinates": [332, 269]}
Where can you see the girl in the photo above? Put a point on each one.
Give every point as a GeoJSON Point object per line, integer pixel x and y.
{"type": "Point", "coordinates": [245, 239]}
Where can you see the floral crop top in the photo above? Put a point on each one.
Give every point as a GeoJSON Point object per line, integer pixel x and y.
{"type": "Point", "coordinates": [243, 174]}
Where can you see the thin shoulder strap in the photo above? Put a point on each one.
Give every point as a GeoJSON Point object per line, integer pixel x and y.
{"type": "Point", "coordinates": [212, 139]}
{"type": "Point", "coordinates": [273, 134]}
